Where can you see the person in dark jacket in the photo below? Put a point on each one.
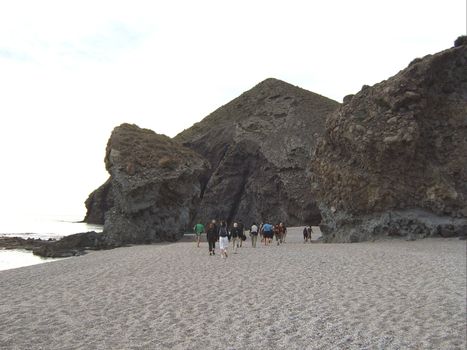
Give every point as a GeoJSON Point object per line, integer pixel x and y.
{"type": "Point", "coordinates": [241, 227]}
{"type": "Point", "coordinates": [236, 237]}
{"type": "Point", "coordinates": [212, 237]}
{"type": "Point", "coordinates": [306, 234]}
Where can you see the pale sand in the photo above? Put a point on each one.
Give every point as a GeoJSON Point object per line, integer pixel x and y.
{"type": "Point", "coordinates": [382, 295]}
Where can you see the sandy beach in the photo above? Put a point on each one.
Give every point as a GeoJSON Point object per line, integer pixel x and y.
{"type": "Point", "coordinates": [378, 295]}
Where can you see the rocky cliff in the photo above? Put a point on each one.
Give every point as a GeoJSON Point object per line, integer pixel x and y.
{"type": "Point", "coordinates": [259, 146]}
{"type": "Point", "coordinates": [153, 190]}
{"type": "Point", "coordinates": [248, 160]}
{"type": "Point", "coordinates": [98, 203]}
{"type": "Point", "coordinates": [393, 159]}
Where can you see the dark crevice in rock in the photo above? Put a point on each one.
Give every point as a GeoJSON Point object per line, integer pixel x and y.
{"type": "Point", "coordinates": [98, 203]}
{"type": "Point", "coordinates": [237, 198]}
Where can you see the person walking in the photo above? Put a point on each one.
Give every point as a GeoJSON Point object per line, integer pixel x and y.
{"type": "Point", "coordinates": [211, 235]}
{"type": "Point", "coordinates": [305, 234]}
{"type": "Point", "coordinates": [278, 233]}
{"type": "Point", "coordinates": [223, 239]}
{"type": "Point", "coordinates": [241, 227]}
{"type": "Point", "coordinates": [267, 233]}
{"type": "Point", "coordinates": [254, 234]}
{"type": "Point", "coordinates": [236, 237]}
{"type": "Point", "coordinates": [283, 231]}
{"type": "Point", "coordinates": [199, 229]}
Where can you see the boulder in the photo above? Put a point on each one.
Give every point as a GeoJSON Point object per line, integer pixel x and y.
{"type": "Point", "coordinates": [393, 158]}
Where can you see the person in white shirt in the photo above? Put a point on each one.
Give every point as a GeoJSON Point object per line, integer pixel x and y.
{"type": "Point", "coordinates": [254, 235]}
{"type": "Point", "coordinates": [223, 239]}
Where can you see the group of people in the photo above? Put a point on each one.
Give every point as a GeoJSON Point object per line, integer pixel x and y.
{"type": "Point", "coordinates": [269, 231]}
{"type": "Point", "coordinates": [221, 233]}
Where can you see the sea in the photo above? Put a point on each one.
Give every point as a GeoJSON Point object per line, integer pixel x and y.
{"type": "Point", "coordinates": [37, 226]}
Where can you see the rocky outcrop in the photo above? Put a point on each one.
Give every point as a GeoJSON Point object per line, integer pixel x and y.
{"type": "Point", "coordinates": [259, 146]}
{"type": "Point", "coordinates": [20, 243]}
{"type": "Point", "coordinates": [251, 162]}
{"type": "Point", "coordinates": [98, 203]}
{"type": "Point", "coordinates": [393, 159]}
{"type": "Point", "coordinates": [155, 186]}
{"type": "Point", "coordinates": [153, 190]}
{"type": "Point", "coordinates": [151, 195]}
{"type": "Point", "coordinates": [73, 245]}
{"type": "Point", "coordinates": [67, 246]}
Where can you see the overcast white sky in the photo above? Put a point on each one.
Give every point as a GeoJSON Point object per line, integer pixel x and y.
{"type": "Point", "coordinates": [70, 71]}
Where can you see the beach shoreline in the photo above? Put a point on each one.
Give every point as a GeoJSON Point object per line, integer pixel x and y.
{"type": "Point", "coordinates": [386, 294]}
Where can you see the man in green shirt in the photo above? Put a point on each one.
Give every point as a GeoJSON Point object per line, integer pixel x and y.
{"type": "Point", "coordinates": [199, 229]}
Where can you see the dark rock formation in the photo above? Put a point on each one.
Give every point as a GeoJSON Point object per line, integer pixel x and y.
{"type": "Point", "coordinates": [153, 190]}
{"type": "Point", "coordinates": [151, 196]}
{"type": "Point", "coordinates": [393, 160]}
{"type": "Point", "coordinates": [154, 184]}
{"type": "Point", "coordinates": [67, 246]}
{"type": "Point", "coordinates": [259, 146]}
{"type": "Point", "coordinates": [73, 245]}
{"type": "Point", "coordinates": [98, 203]}
{"type": "Point", "coordinates": [462, 40]}
{"type": "Point", "coordinates": [20, 243]}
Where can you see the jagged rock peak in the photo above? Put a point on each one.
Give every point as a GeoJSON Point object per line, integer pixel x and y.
{"type": "Point", "coordinates": [271, 98]}
{"type": "Point", "coordinates": [259, 146]}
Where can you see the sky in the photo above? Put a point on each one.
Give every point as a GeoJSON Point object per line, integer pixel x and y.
{"type": "Point", "coordinates": [71, 71]}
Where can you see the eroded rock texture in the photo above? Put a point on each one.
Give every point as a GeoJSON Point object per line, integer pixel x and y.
{"type": "Point", "coordinates": [393, 160]}
{"type": "Point", "coordinates": [98, 203]}
{"type": "Point", "coordinates": [154, 186]}
{"type": "Point", "coordinates": [259, 146]}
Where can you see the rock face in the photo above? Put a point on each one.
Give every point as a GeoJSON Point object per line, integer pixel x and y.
{"type": "Point", "coordinates": [259, 146]}
{"type": "Point", "coordinates": [393, 159]}
{"type": "Point", "coordinates": [153, 190]}
{"type": "Point", "coordinates": [98, 203]}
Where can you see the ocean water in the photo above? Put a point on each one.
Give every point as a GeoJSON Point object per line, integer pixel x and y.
{"type": "Point", "coordinates": [44, 227]}
{"type": "Point", "coordinates": [37, 226]}
{"type": "Point", "coordinates": [11, 259]}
